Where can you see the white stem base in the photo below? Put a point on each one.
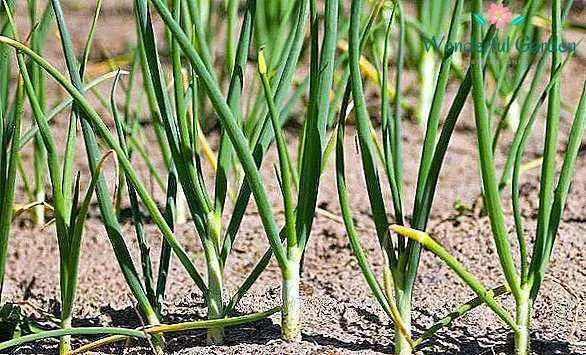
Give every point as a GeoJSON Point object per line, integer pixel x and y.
{"type": "Point", "coordinates": [181, 208]}
{"type": "Point", "coordinates": [522, 345]}
{"type": "Point", "coordinates": [215, 336]}
{"type": "Point", "coordinates": [39, 211]}
{"type": "Point", "coordinates": [514, 114]}
{"type": "Point", "coordinates": [291, 314]}
{"type": "Point", "coordinates": [427, 73]}
{"type": "Point", "coordinates": [402, 346]}
{"type": "Point", "coordinates": [65, 341]}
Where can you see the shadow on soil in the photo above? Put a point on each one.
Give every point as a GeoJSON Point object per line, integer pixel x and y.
{"type": "Point", "coordinates": [458, 340]}
{"type": "Point", "coordinates": [466, 343]}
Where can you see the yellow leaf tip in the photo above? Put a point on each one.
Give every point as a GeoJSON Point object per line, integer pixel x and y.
{"type": "Point", "coordinates": [410, 233]}
{"type": "Point", "coordinates": [262, 64]}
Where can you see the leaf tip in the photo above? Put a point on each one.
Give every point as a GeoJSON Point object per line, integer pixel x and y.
{"type": "Point", "coordinates": [262, 64]}
{"type": "Point", "coordinates": [410, 233]}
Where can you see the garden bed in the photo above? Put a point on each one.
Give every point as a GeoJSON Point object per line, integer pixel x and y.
{"type": "Point", "coordinates": [339, 314]}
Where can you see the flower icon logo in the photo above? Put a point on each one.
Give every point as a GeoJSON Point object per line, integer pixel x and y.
{"type": "Point", "coordinates": [500, 16]}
